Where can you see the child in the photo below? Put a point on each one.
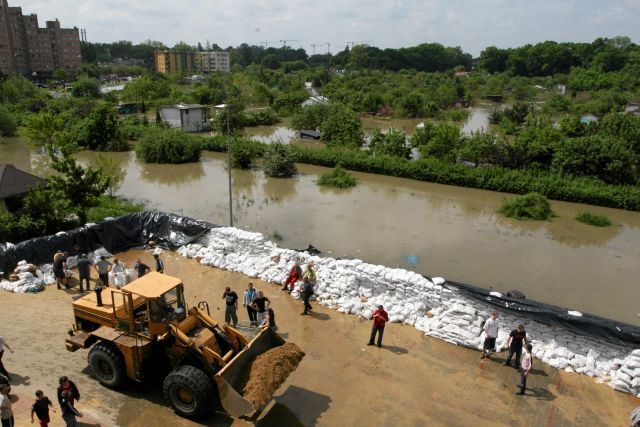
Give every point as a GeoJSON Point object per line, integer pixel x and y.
{"type": "Point", "coordinates": [41, 408]}
{"type": "Point", "coordinates": [69, 413]}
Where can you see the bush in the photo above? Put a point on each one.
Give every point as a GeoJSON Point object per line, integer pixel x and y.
{"type": "Point", "coordinates": [110, 206]}
{"type": "Point", "coordinates": [593, 219]}
{"type": "Point", "coordinates": [342, 127]}
{"type": "Point", "coordinates": [15, 228]}
{"type": "Point", "coordinates": [168, 146]}
{"type": "Point", "coordinates": [8, 125]}
{"type": "Point", "coordinates": [278, 161]}
{"type": "Point", "coordinates": [337, 178]}
{"type": "Point", "coordinates": [530, 206]}
{"type": "Point", "coordinates": [310, 117]}
{"type": "Point", "coordinates": [243, 153]}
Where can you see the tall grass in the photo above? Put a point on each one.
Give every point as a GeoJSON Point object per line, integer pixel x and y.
{"type": "Point", "coordinates": [337, 178]}
{"type": "Point", "coordinates": [532, 206]}
{"type": "Point", "coordinates": [593, 219]}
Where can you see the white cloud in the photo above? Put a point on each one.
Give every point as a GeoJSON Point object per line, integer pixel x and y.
{"type": "Point", "coordinates": [473, 25]}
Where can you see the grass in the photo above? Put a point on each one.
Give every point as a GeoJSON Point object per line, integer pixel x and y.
{"type": "Point", "coordinates": [337, 178]}
{"type": "Point", "coordinates": [531, 206]}
{"type": "Point", "coordinates": [593, 219]}
{"type": "Point", "coordinates": [111, 207]}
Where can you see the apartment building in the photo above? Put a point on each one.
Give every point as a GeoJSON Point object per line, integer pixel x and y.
{"type": "Point", "coordinates": [171, 61]}
{"type": "Point", "coordinates": [213, 61]}
{"type": "Point", "coordinates": [25, 48]}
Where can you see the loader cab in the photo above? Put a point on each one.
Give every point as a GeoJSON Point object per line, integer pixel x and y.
{"type": "Point", "coordinates": [150, 303]}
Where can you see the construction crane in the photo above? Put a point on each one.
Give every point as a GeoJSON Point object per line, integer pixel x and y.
{"type": "Point", "coordinates": [266, 44]}
{"type": "Point", "coordinates": [360, 42]}
{"type": "Point", "coordinates": [328, 47]}
{"type": "Point", "coordinates": [313, 45]}
{"type": "Point", "coordinates": [284, 42]}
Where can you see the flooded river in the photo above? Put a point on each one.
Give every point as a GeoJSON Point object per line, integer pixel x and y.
{"type": "Point", "coordinates": [434, 229]}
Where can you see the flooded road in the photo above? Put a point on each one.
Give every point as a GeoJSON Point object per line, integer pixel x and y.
{"type": "Point", "coordinates": [433, 229]}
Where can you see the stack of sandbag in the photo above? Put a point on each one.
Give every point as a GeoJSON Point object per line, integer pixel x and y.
{"type": "Point", "coordinates": [627, 373]}
{"type": "Point", "coordinates": [23, 279]}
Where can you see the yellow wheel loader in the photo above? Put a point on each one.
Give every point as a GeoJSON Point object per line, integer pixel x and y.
{"type": "Point", "coordinates": [145, 331]}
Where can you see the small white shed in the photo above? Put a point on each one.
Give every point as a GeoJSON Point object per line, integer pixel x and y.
{"type": "Point", "coordinates": [188, 117]}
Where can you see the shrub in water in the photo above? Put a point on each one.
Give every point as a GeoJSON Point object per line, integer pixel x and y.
{"type": "Point", "coordinates": [168, 146]}
{"type": "Point", "coordinates": [530, 206]}
{"type": "Point", "coordinates": [243, 153]}
{"type": "Point", "coordinates": [338, 178]}
{"type": "Point", "coordinates": [278, 161]}
{"type": "Point", "coordinates": [593, 219]}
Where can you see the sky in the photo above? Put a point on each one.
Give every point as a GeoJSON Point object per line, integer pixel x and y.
{"type": "Point", "coordinates": [471, 24]}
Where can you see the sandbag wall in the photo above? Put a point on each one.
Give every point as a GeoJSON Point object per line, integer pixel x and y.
{"type": "Point", "coordinates": [439, 309]}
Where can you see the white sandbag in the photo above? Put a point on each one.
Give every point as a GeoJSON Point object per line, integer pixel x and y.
{"type": "Point", "coordinates": [112, 278]}
{"type": "Point", "coordinates": [72, 262]}
{"type": "Point", "coordinates": [120, 280]}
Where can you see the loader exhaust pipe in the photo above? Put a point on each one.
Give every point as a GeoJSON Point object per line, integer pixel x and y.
{"type": "Point", "coordinates": [98, 290]}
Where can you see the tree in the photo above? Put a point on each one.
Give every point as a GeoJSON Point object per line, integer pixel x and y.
{"type": "Point", "coordinates": [392, 143]}
{"type": "Point", "coordinates": [444, 143]}
{"type": "Point", "coordinates": [101, 130]}
{"type": "Point", "coordinates": [271, 61]}
{"type": "Point", "coordinates": [82, 187]}
{"type": "Point", "coordinates": [112, 171]}
{"type": "Point", "coordinates": [480, 148]}
{"type": "Point", "coordinates": [49, 205]}
{"type": "Point", "coordinates": [342, 127]}
{"type": "Point", "coordinates": [86, 86]}
{"type": "Point", "coordinates": [493, 59]}
{"type": "Point", "coordinates": [43, 128]}
{"type": "Point", "coordinates": [8, 125]}
{"type": "Point", "coordinates": [278, 161]}
{"type": "Point", "coordinates": [59, 75]}
{"type": "Point", "coordinates": [88, 52]}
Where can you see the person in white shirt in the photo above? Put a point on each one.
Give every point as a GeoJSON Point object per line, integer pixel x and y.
{"type": "Point", "coordinates": [491, 333]}
{"type": "Point", "coordinates": [6, 411]}
{"type": "Point", "coordinates": [525, 368]}
{"type": "Point", "coordinates": [3, 344]}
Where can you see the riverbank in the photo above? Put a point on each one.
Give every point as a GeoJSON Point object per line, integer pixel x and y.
{"type": "Point", "coordinates": [412, 380]}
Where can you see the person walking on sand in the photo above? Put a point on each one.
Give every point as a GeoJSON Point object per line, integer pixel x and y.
{"type": "Point", "coordinates": [102, 267]}
{"type": "Point", "coordinates": [525, 368]}
{"type": "Point", "coordinates": [141, 268]}
{"type": "Point", "coordinates": [3, 344]}
{"type": "Point", "coordinates": [159, 263]}
{"type": "Point", "coordinates": [380, 318]}
{"type": "Point", "coordinates": [307, 292]}
{"type": "Point", "coordinates": [84, 271]}
{"type": "Point", "coordinates": [295, 274]}
{"type": "Point", "coordinates": [6, 410]}
{"type": "Point", "coordinates": [247, 300]}
{"type": "Point", "coordinates": [260, 305]}
{"type": "Point", "coordinates": [490, 329]}
{"type": "Point", "coordinates": [514, 343]}
{"type": "Point", "coordinates": [69, 386]}
{"type": "Point", "coordinates": [69, 412]}
{"type": "Point", "coordinates": [231, 306]}
{"type": "Point", "coordinates": [59, 269]}
{"type": "Point", "coordinates": [41, 408]}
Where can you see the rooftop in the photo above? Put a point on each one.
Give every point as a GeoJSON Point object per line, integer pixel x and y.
{"type": "Point", "coordinates": [14, 181]}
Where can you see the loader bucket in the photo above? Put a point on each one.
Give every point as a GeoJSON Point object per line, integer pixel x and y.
{"type": "Point", "coordinates": [230, 379]}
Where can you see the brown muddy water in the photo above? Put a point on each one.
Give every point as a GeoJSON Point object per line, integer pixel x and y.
{"type": "Point", "coordinates": [437, 230]}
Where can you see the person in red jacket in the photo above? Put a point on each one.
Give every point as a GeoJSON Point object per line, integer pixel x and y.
{"type": "Point", "coordinates": [294, 275]}
{"type": "Point", "coordinates": [380, 318]}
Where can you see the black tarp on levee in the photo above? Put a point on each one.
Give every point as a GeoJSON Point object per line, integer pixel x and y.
{"type": "Point", "coordinates": [172, 231]}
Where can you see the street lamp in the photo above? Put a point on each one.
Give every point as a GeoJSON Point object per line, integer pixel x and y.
{"type": "Point", "coordinates": [226, 107]}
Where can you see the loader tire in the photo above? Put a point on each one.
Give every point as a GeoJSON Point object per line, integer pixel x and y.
{"type": "Point", "coordinates": [107, 364]}
{"type": "Point", "coordinates": [189, 392]}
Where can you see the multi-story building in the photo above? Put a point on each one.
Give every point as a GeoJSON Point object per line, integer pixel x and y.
{"type": "Point", "coordinates": [213, 61]}
{"type": "Point", "coordinates": [171, 61]}
{"type": "Point", "coordinates": [25, 48]}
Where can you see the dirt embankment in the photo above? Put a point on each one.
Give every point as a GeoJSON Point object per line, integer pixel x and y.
{"type": "Point", "coordinates": [269, 371]}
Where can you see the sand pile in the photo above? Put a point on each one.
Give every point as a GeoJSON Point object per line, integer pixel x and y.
{"type": "Point", "coordinates": [269, 370]}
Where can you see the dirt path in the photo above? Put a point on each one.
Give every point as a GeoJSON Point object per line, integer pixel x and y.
{"type": "Point", "coordinates": [413, 380]}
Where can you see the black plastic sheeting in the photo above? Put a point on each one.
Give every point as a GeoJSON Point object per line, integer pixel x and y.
{"type": "Point", "coordinates": [604, 329]}
{"type": "Point", "coordinates": [172, 231]}
{"type": "Point", "coordinates": [117, 235]}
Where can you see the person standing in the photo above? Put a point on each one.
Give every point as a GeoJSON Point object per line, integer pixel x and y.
{"type": "Point", "coordinates": [491, 333]}
{"type": "Point", "coordinates": [41, 408]}
{"type": "Point", "coordinates": [231, 301]}
{"type": "Point", "coordinates": [295, 274]}
{"type": "Point", "coordinates": [141, 268]}
{"type": "Point", "coordinates": [380, 318]}
{"type": "Point", "coordinates": [84, 271]}
{"type": "Point", "coordinates": [66, 385]}
{"type": "Point", "coordinates": [3, 344]}
{"type": "Point", "coordinates": [6, 410]}
{"type": "Point", "coordinates": [525, 368]}
{"type": "Point", "coordinates": [309, 273]}
{"type": "Point", "coordinates": [514, 343]}
{"type": "Point", "coordinates": [159, 263]}
{"type": "Point", "coordinates": [102, 267]}
{"type": "Point", "coordinates": [307, 292]}
{"type": "Point", "coordinates": [59, 269]}
{"type": "Point", "coordinates": [247, 300]}
{"type": "Point", "coordinates": [69, 412]}
{"type": "Point", "coordinates": [260, 305]}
